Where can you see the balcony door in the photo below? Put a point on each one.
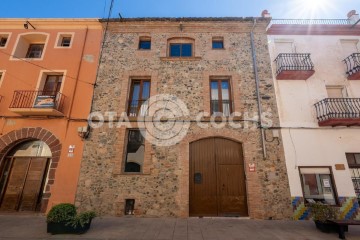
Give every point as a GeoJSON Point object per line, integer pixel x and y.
{"type": "Point", "coordinates": [220, 97]}
{"type": "Point", "coordinates": [284, 47]}
{"type": "Point", "coordinates": [336, 92]}
{"type": "Point", "coordinates": [349, 47]}
{"type": "Point", "coordinates": [139, 94]}
{"type": "Point", "coordinates": [52, 84]}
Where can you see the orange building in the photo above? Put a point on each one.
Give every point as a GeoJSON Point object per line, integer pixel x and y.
{"type": "Point", "coordinates": [47, 76]}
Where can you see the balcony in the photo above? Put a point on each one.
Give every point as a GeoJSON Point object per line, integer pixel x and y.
{"type": "Point", "coordinates": [338, 112]}
{"type": "Point", "coordinates": [352, 63]}
{"type": "Point", "coordinates": [37, 103]}
{"type": "Point", "coordinates": [138, 108]}
{"type": "Point", "coordinates": [294, 66]}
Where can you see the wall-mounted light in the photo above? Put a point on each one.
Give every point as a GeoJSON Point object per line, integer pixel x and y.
{"type": "Point", "coordinates": [83, 132]}
{"type": "Point", "coordinates": [26, 25]}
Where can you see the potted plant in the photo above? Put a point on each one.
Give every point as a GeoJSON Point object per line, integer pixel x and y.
{"type": "Point", "coordinates": [63, 219]}
{"type": "Point", "coordinates": [321, 213]}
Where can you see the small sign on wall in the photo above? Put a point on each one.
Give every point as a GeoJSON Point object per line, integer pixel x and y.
{"type": "Point", "coordinates": [252, 167]}
{"type": "Point", "coordinates": [326, 183]}
{"type": "Point", "coordinates": [71, 151]}
{"type": "Point", "coordinates": [339, 166]}
{"type": "Point", "coordinates": [71, 148]}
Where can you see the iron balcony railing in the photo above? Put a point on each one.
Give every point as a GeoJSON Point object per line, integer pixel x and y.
{"type": "Point", "coordinates": [38, 99]}
{"type": "Point", "coordinates": [338, 108]}
{"type": "Point", "coordinates": [221, 108]}
{"type": "Point", "coordinates": [312, 21]}
{"type": "Point", "coordinates": [293, 62]}
{"type": "Point", "coordinates": [138, 107]}
{"type": "Point", "coordinates": [352, 63]}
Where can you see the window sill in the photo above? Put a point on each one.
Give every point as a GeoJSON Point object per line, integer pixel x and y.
{"type": "Point", "coordinates": [218, 49]}
{"type": "Point", "coordinates": [25, 59]}
{"type": "Point", "coordinates": [130, 174]}
{"type": "Point", "coordinates": [180, 58]}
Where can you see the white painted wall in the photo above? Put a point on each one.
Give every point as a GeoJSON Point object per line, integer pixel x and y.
{"type": "Point", "coordinates": [305, 143]}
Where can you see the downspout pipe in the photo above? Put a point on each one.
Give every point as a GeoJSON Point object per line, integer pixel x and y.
{"type": "Point", "coordinates": [253, 50]}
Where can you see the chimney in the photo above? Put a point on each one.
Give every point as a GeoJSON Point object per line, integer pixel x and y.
{"type": "Point", "coordinates": [353, 16]}
{"type": "Point", "coordinates": [265, 14]}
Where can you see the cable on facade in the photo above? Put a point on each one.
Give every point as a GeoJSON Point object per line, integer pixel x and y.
{"type": "Point", "coordinates": [42, 67]}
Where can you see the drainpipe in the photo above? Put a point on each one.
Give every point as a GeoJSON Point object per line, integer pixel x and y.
{"type": "Point", "coordinates": [257, 89]}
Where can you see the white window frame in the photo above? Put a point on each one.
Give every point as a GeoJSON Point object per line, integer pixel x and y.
{"type": "Point", "coordinates": [59, 38]}
{"type": "Point", "coordinates": [2, 76]}
{"type": "Point", "coordinates": [14, 58]}
{"type": "Point", "coordinates": [8, 34]}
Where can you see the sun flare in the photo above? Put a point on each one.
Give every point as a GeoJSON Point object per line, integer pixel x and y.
{"type": "Point", "coordinates": [311, 8]}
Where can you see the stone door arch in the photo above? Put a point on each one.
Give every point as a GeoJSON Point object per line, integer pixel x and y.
{"type": "Point", "coordinates": [13, 138]}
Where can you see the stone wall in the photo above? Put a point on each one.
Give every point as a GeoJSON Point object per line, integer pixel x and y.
{"type": "Point", "coordinates": [162, 189]}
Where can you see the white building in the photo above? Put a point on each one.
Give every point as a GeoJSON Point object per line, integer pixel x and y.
{"type": "Point", "coordinates": [316, 65]}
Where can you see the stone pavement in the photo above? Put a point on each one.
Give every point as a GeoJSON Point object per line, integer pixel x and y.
{"type": "Point", "coordinates": [34, 227]}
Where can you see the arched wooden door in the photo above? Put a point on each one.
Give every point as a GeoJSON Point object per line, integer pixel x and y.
{"type": "Point", "coordinates": [22, 176]}
{"type": "Point", "coordinates": [217, 178]}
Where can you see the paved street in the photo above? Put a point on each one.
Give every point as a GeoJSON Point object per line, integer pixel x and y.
{"type": "Point", "coordinates": [34, 227]}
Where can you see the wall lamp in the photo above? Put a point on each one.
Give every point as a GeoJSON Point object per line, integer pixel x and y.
{"type": "Point", "coordinates": [26, 25]}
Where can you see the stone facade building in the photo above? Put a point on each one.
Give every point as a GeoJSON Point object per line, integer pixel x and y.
{"type": "Point", "coordinates": [212, 170]}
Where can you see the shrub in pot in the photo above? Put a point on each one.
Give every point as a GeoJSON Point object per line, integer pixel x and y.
{"type": "Point", "coordinates": [321, 213]}
{"type": "Point", "coordinates": [63, 218]}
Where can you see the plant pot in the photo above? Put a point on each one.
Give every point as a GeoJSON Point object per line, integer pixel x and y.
{"type": "Point", "coordinates": [327, 227]}
{"type": "Point", "coordinates": [62, 228]}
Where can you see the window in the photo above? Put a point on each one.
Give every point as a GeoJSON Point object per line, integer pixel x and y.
{"type": "Point", "coordinates": [180, 50]}
{"type": "Point", "coordinates": [65, 41]}
{"type": "Point", "coordinates": [35, 51]}
{"type": "Point", "coordinates": [52, 84]}
{"type": "Point", "coordinates": [218, 43]}
{"type": "Point", "coordinates": [145, 43]}
{"type": "Point", "coordinates": [336, 91]}
{"type": "Point", "coordinates": [135, 151]}
{"type": "Point", "coordinates": [3, 41]}
{"type": "Point", "coordinates": [353, 160]}
{"type": "Point", "coordinates": [30, 45]}
{"type": "Point", "coordinates": [317, 184]}
{"type": "Point", "coordinates": [220, 97]}
{"type": "Point", "coordinates": [1, 78]}
{"type": "Point", "coordinates": [139, 94]}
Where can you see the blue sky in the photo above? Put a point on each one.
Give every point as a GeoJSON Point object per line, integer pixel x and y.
{"type": "Point", "coordinates": [177, 8]}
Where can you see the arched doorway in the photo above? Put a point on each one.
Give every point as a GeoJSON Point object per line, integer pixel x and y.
{"type": "Point", "coordinates": [22, 176]}
{"type": "Point", "coordinates": [217, 178]}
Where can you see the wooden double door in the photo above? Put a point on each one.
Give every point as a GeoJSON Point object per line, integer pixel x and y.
{"type": "Point", "coordinates": [217, 178]}
{"type": "Point", "coordinates": [21, 183]}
